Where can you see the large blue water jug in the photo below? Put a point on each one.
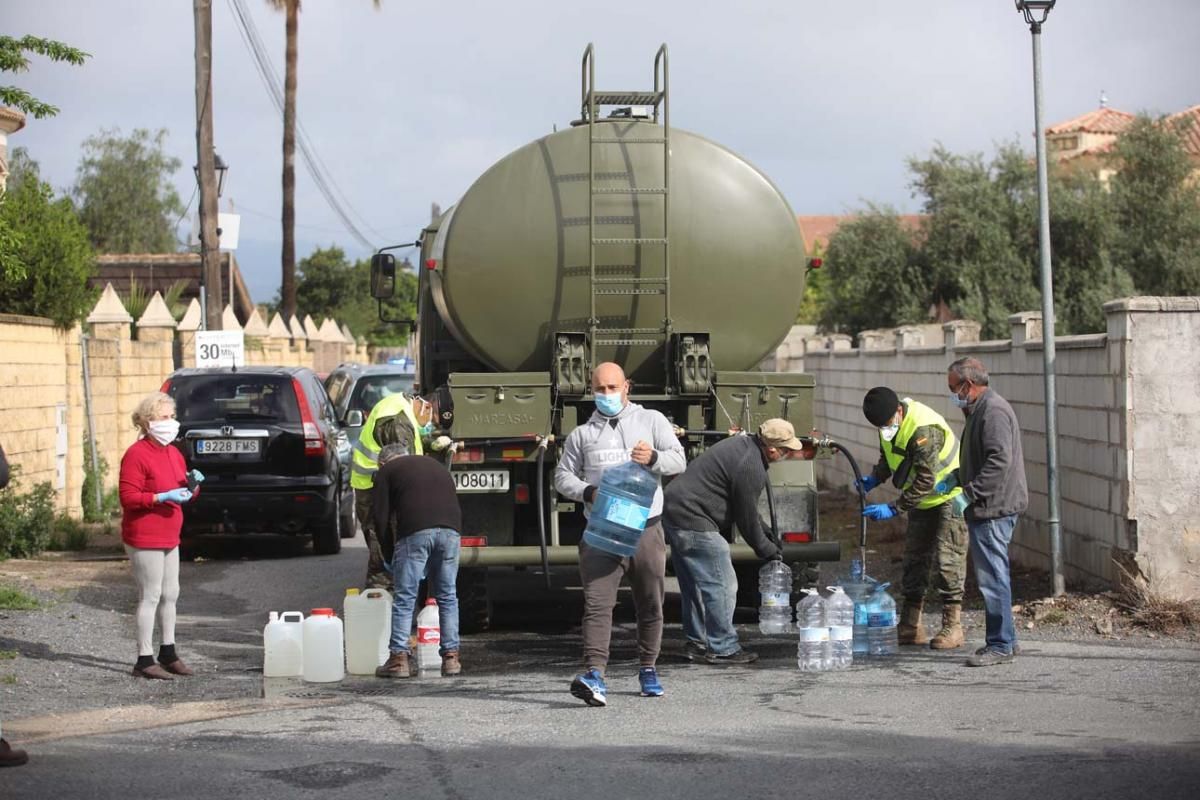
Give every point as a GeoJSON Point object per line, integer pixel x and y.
{"type": "Point", "coordinates": [621, 509]}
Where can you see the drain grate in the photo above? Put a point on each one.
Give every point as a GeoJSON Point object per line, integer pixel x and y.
{"type": "Point", "coordinates": [310, 694]}
{"type": "Point", "coordinates": [367, 691]}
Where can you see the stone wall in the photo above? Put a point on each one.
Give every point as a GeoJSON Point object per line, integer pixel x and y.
{"type": "Point", "coordinates": [1127, 436]}
{"type": "Point", "coordinates": [43, 416]}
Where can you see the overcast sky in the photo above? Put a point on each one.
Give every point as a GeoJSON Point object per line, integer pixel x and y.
{"type": "Point", "coordinates": [409, 103]}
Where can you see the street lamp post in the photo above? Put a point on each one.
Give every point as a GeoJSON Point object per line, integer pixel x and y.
{"type": "Point", "coordinates": [1035, 13]}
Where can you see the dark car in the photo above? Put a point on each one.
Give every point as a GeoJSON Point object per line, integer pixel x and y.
{"type": "Point", "coordinates": [272, 453]}
{"type": "Point", "coordinates": [354, 390]}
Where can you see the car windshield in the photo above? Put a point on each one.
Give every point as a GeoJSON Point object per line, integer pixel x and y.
{"type": "Point", "coordinates": [207, 398]}
{"type": "Point", "coordinates": [373, 388]}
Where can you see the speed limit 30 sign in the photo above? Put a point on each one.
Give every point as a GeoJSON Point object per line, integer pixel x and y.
{"type": "Point", "coordinates": [220, 349]}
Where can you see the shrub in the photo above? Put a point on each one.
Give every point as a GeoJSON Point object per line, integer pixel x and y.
{"type": "Point", "coordinates": [26, 520]}
{"type": "Point", "coordinates": [68, 534]}
{"type": "Point", "coordinates": [110, 501]}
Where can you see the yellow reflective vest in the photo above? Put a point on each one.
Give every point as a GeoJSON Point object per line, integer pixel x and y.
{"type": "Point", "coordinates": [917, 415]}
{"type": "Point", "coordinates": [364, 460]}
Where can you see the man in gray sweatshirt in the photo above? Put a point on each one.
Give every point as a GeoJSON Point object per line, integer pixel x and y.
{"type": "Point", "coordinates": [719, 489]}
{"type": "Point", "coordinates": [619, 431]}
{"type": "Point", "coordinates": [992, 475]}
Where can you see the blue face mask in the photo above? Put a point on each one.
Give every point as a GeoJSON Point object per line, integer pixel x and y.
{"type": "Point", "coordinates": [608, 404]}
{"type": "Point", "coordinates": [959, 402]}
{"type": "Point", "coordinates": [427, 429]}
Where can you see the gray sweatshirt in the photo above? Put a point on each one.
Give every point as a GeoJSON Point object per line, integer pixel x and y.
{"type": "Point", "coordinates": [991, 464]}
{"type": "Point", "coordinates": [721, 488]}
{"type": "Point", "coordinates": [604, 442]}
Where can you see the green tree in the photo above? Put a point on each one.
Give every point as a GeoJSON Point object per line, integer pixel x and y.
{"type": "Point", "coordinates": [13, 59]}
{"type": "Point", "coordinates": [48, 262]}
{"type": "Point", "coordinates": [329, 285]}
{"type": "Point", "coordinates": [1157, 208]}
{"type": "Point", "coordinates": [970, 254]}
{"type": "Point", "coordinates": [873, 275]}
{"type": "Point", "coordinates": [124, 193]}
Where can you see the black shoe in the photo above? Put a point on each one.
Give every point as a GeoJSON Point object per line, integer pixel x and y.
{"type": "Point", "coordinates": [1016, 651]}
{"type": "Point", "coordinates": [10, 756]}
{"type": "Point", "coordinates": [694, 651]}
{"type": "Point", "coordinates": [736, 657]}
{"type": "Point", "coordinates": [989, 658]}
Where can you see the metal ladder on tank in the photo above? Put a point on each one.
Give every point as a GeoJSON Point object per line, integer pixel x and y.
{"type": "Point", "coordinates": [628, 286]}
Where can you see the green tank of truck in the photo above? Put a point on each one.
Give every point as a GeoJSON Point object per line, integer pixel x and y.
{"type": "Point", "coordinates": [618, 238]}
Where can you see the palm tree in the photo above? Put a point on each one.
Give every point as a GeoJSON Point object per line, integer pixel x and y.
{"type": "Point", "coordinates": [287, 289]}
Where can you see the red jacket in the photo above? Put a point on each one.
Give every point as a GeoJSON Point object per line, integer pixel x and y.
{"type": "Point", "coordinates": [148, 469]}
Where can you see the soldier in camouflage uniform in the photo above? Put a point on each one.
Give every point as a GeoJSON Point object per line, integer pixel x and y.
{"type": "Point", "coordinates": [918, 451]}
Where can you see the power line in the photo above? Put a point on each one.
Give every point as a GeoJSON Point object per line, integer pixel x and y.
{"type": "Point", "coordinates": [326, 185]}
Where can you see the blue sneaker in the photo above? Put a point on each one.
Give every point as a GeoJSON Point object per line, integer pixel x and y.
{"type": "Point", "coordinates": [648, 678]}
{"type": "Point", "coordinates": [589, 687]}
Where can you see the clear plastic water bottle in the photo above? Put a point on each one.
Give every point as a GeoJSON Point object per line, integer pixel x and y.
{"type": "Point", "coordinates": [812, 651]}
{"type": "Point", "coordinates": [882, 638]}
{"type": "Point", "coordinates": [839, 616]}
{"type": "Point", "coordinates": [621, 509]}
{"type": "Point", "coordinates": [429, 640]}
{"type": "Point", "coordinates": [775, 591]}
{"type": "Point", "coordinates": [859, 587]}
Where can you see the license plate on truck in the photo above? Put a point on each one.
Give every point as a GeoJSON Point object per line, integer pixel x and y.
{"type": "Point", "coordinates": [481, 480]}
{"type": "Point", "coordinates": [221, 447]}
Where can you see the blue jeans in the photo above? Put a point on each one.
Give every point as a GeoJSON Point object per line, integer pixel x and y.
{"type": "Point", "coordinates": [989, 550]}
{"type": "Point", "coordinates": [431, 553]}
{"type": "Point", "coordinates": [707, 588]}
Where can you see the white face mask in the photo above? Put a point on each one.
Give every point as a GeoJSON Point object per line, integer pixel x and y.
{"type": "Point", "coordinates": [164, 431]}
{"type": "Point", "coordinates": [889, 433]}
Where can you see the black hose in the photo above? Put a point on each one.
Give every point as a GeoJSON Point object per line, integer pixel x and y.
{"type": "Point", "coordinates": [775, 534]}
{"type": "Point", "coordinates": [541, 511]}
{"type": "Point", "coordinates": [862, 496]}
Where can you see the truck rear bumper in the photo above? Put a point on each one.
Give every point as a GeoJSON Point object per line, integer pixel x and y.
{"type": "Point", "coordinates": [504, 556]}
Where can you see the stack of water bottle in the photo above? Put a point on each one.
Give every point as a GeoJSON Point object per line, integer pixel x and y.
{"type": "Point", "coordinates": [826, 631]}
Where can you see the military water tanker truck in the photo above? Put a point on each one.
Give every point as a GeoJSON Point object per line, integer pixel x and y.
{"type": "Point", "coordinates": [619, 238]}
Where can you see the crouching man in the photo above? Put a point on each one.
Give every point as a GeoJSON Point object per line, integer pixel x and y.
{"type": "Point", "coordinates": [418, 519]}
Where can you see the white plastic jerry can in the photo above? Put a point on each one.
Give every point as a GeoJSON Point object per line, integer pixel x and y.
{"type": "Point", "coordinates": [324, 648]}
{"type": "Point", "coordinates": [368, 618]}
{"type": "Point", "coordinates": [283, 645]}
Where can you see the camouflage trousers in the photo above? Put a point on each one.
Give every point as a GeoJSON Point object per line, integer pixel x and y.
{"type": "Point", "coordinates": [377, 576]}
{"type": "Point", "coordinates": [935, 537]}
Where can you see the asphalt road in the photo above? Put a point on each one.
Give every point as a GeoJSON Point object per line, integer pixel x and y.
{"type": "Point", "coordinates": [1067, 719]}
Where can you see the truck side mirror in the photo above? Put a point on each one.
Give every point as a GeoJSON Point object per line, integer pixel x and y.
{"type": "Point", "coordinates": [354, 419]}
{"type": "Point", "coordinates": [383, 276]}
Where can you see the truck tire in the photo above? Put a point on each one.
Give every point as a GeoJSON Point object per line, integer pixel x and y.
{"type": "Point", "coordinates": [747, 580]}
{"type": "Point", "coordinates": [474, 601]}
{"type": "Point", "coordinates": [327, 534]}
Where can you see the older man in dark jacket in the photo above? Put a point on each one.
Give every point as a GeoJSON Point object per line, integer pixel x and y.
{"type": "Point", "coordinates": [992, 475]}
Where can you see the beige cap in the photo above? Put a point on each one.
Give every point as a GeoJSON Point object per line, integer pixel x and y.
{"type": "Point", "coordinates": [779, 433]}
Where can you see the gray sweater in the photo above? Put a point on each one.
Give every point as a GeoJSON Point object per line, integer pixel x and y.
{"type": "Point", "coordinates": [719, 489]}
{"type": "Point", "coordinates": [604, 442]}
{"type": "Point", "coordinates": [991, 463]}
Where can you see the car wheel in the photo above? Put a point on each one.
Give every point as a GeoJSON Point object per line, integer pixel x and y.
{"type": "Point", "coordinates": [327, 535]}
{"type": "Point", "coordinates": [474, 600]}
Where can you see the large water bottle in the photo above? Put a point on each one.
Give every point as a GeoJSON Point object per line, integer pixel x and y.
{"type": "Point", "coordinates": [775, 590]}
{"type": "Point", "coordinates": [324, 647]}
{"type": "Point", "coordinates": [283, 645]}
{"type": "Point", "coordinates": [429, 640]}
{"type": "Point", "coordinates": [368, 617]}
{"type": "Point", "coordinates": [621, 508]}
{"type": "Point", "coordinates": [839, 616]}
{"type": "Point", "coordinates": [882, 638]}
{"type": "Point", "coordinates": [859, 587]}
{"type": "Point", "coordinates": [812, 651]}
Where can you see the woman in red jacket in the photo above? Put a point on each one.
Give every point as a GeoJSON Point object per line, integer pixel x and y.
{"type": "Point", "coordinates": [154, 484]}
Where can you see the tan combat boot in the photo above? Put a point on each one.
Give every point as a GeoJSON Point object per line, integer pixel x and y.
{"type": "Point", "coordinates": [951, 634]}
{"type": "Point", "coordinates": [910, 630]}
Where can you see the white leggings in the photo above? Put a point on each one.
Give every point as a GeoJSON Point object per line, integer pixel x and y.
{"type": "Point", "coordinates": [157, 575]}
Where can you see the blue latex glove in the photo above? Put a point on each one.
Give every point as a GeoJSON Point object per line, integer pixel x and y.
{"type": "Point", "coordinates": [941, 487]}
{"type": "Point", "coordinates": [196, 475]}
{"type": "Point", "coordinates": [867, 483]}
{"type": "Point", "coordinates": [174, 496]}
{"type": "Point", "coordinates": [879, 511]}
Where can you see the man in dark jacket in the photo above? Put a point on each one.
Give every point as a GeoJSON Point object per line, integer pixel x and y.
{"type": "Point", "coordinates": [720, 489]}
{"type": "Point", "coordinates": [992, 475]}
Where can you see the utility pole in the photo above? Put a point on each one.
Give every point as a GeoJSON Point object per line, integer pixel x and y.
{"type": "Point", "coordinates": [210, 256]}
